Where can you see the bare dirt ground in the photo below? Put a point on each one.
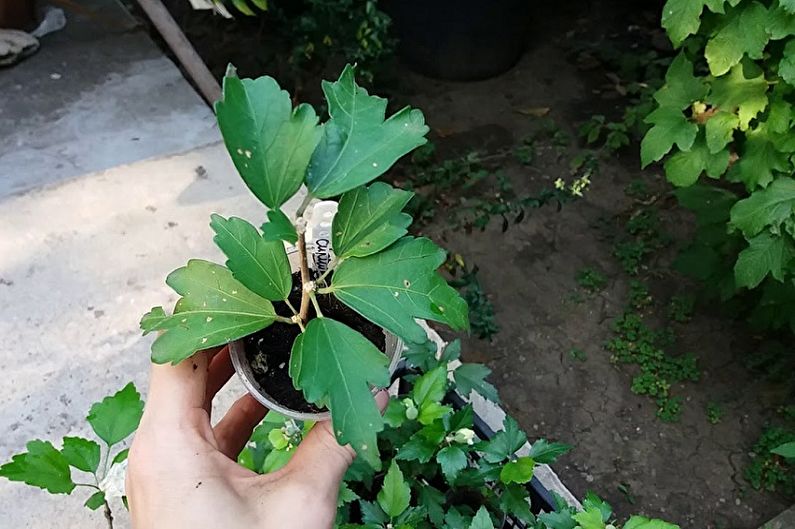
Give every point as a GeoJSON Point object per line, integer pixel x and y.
{"type": "Point", "coordinates": [690, 471]}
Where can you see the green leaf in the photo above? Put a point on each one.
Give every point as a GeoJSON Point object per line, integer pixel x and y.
{"type": "Point", "coordinates": [261, 265]}
{"type": "Point", "coordinates": [395, 494]}
{"type": "Point", "coordinates": [720, 130]}
{"type": "Point", "coordinates": [743, 33]}
{"type": "Point", "coordinates": [432, 411]}
{"type": "Point", "coordinates": [737, 93]}
{"type": "Point", "coordinates": [395, 413]}
{"type": "Point", "coordinates": [641, 522]}
{"type": "Point", "coordinates": [372, 514]}
{"type": "Point", "coordinates": [766, 254]}
{"type": "Point", "coordinates": [116, 416]}
{"type": "Point", "coordinates": [41, 466]}
{"type": "Point", "coordinates": [684, 168]}
{"type": "Point", "coordinates": [786, 68]}
{"type": "Point", "coordinates": [269, 142]}
{"type": "Point", "coordinates": [279, 227]}
{"type": "Point", "coordinates": [95, 501]}
{"type": "Point", "coordinates": [472, 377]}
{"type": "Point", "coordinates": [518, 471]}
{"type": "Point", "coordinates": [558, 520]}
{"type": "Point", "coordinates": [243, 7]}
{"type": "Point", "coordinates": [369, 219]}
{"type": "Point", "coordinates": [760, 160]}
{"type": "Point", "coordinates": [276, 459]}
{"type": "Point", "coordinates": [682, 18]}
{"type": "Point", "coordinates": [452, 460]}
{"type": "Point", "coordinates": [781, 23]}
{"type": "Point", "coordinates": [787, 5]}
{"type": "Point", "coordinates": [346, 495]}
{"type": "Point", "coordinates": [505, 442]}
{"type": "Point", "coordinates": [785, 450]}
{"type": "Point", "coordinates": [482, 520]}
{"type": "Point", "coordinates": [780, 112]}
{"type": "Point", "coordinates": [590, 518]}
{"type": "Point", "coordinates": [399, 284]}
{"type": "Point", "coordinates": [357, 145]}
{"type": "Point", "coordinates": [335, 364]}
{"type": "Point", "coordinates": [417, 448]}
{"type": "Point", "coordinates": [214, 309]}
{"type": "Point", "coordinates": [83, 454]}
{"type": "Point", "coordinates": [547, 453]}
{"type": "Point", "coordinates": [515, 500]}
{"type": "Point", "coordinates": [681, 88]}
{"type": "Point", "coordinates": [765, 207]}
{"type": "Point", "coordinates": [121, 456]}
{"type": "Point", "coordinates": [592, 501]}
{"type": "Point", "coordinates": [434, 502]}
{"type": "Point", "coordinates": [670, 127]}
{"type": "Point", "coordinates": [710, 204]}
{"type": "Point", "coordinates": [430, 387]}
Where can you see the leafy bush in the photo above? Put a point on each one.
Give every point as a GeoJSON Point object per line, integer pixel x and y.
{"type": "Point", "coordinates": [726, 111]}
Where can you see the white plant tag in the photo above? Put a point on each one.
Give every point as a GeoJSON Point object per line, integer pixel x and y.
{"type": "Point", "coordinates": [318, 235]}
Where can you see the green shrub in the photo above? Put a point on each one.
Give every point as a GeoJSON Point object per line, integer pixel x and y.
{"type": "Point", "coordinates": [726, 111]}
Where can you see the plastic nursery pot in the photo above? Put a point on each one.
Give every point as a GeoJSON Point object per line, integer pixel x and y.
{"type": "Point", "coordinates": [237, 351]}
{"type": "Point", "coordinates": [392, 347]}
{"type": "Point", "coordinates": [460, 40]}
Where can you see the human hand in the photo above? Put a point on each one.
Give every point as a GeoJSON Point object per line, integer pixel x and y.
{"type": "Point", "coordinates": [182, 472]}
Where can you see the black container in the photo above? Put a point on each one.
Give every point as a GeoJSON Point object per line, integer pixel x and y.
{"type": "Point", "coordinates": [460, 40]}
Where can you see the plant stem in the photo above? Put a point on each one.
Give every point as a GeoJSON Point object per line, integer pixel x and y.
{"type": "Point", "coordinates": [87, 485]}
{"type": "Point", "coordinates": [108, 515]}
{"type": "Point", "coordinates": [334, 263]}
{"type": "Point", "coordinates": [316, 304]}
{"type": "Point", "coordinates": [282, 319]}
{"type": "Point", "coordinates": [290, 306]}
{"type": "Point", "coordinates": [305, 279]}
{"type": "Point", "coordinates": [300, 211]}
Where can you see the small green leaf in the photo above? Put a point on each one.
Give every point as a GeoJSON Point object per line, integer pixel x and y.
{"type": "Point", "coordinates": [785, 450]}
{"type": "Point", "coordinates": [681, 88]}
{"type": "Point", "coordinates": [117, 416]}
{"type": "Point", "coordinates": [357, 145]}
{"type": "Point", "coordinates": [547, 453]}
{"type": "Point", "coordinates": [335, 364]}
{"type": "Point", "coordinates": [261, 265]}
{"type": "Point", "coordinates": [269, 142]}
{"type": "Point", "coordinates": [83, 454]}
{"type": "Point", "coordinates": [766, 254]}
{"type": "Point", "coordinates": [641, 522]}
{"type": "Point", "coordinates": [518, 471]}
{"type": "Point", "coordinates": [590, 518]}
{"type": "Point", "coordinates": [743, 33]}
{"type": "Point", "coordinates": [395, 413]}
{"type": "Point", "coordinates": [760, 160]}
{"type": "Point", "coordinates": [592, 501]}
{"type": "Point", "coordinates": [505, 442]}
{"type": "Point", "coordinates": [399, 284]}
{"type": "Point", "coordinates": [737, 93]}
{"type": "Point", "coordinates": [472, 377]}
{"type": "Point", "coordinates": [786, 68]}
{"type": "Point", "coordinates": [369, 219]}
{"type": "Point", "coordinates": [95, 501]}
{"type": "Point", "coordinates": [452, 460]}
{"type": "Point", "coordinates": [372, 514]}
{"type": "Point", "coordinates": [395, 494]}
{"type": "Point", "coordinates": [684, 168]}
{"type": "Point", "coordinates": [276, 459]}
{"type": "Point", "coordinates": [430, 387]}
{"type": "Point", "coordinates": [434, 502]}
{"type": "Point", "coordinates": [431, 412]}
{"type": "Point", "coordinates": [417, 448]}
{"type": "Point", "coordinates": [215, 309]}
{"type": "Point", "coordinates": [515, 500]}
{"type": "Point", "coordinates": [279, 227]}
{"type": "Point", "coordinates": [121, 456]}
{"type": "Point", "coordinates": [41, 466]}
{"type": "Point", "coordinates": [765, 207]}
{"type": "Point", "coordinates": [781, 23]}
{"type": "Point", "coordinates": [482, 520]}
{"type": "Point", "coordinates": [346, 495]}
{"type": "Point", "coordinates": [720, 130]}
{"type": "Point", "coordinates": [243, 7]}
{"type": "Point", "coordinates": [670, 127]}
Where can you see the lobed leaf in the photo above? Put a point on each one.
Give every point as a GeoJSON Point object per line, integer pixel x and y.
{"type": "Point", "coordinates": [261, 265]}
{"type": "Point", "coordinates": [766, 254]}
{"type": "Point", "coordinates": [214, 309]}
{"type": "Point", "coordinates": [117, 416]}
{"type": "Point", "coordinates": [743, 32]}
{"type": "Point", "coordinates": [335, 364]}
{"type": "Point", "coordinates": [472, 377]}
{"type": "Point", "coordinates": [395, 286]}
{"type": "Point", "coordinates": [546, 453]}
{"type": "Point", "coordinates": [685, 167]}
{"type": "Point", "coordinates": [504, 443]}
{"type": "Point", "coordinates": [395, 494]}
{"type": "Point", "coordinates": [41, 466]}
{"type": "Point", "coordinates": [766, 207]}
{"type": "Point", "coordinates": [518, 471]}
{"type": "Point", "coordinates": [83, 454]}
{"type": "Point", "coordinates": [681, 87]}
{"type": "Point", "coordinates": [641, 522]}
{"type": "Point", "coordinates": [279, 227]}
{"type": "Point", "coordinates": [269, 142]}
{"type": "Point", "coordinates": [369, 219]}
{"type": "Point", "coordinates": [482, 520]}
{"type": "Point", "coordinates": [747, 96]}
{"type": "Point", "coordinates": [358, 145]}
{"type": "Point", "coordinates": [670, 127]}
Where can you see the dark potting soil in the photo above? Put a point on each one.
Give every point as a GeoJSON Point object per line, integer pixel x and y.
{"type": "Point", "coordinates": [268, 350]}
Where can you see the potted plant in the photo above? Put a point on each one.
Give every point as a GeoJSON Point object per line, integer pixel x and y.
{"type": "Point", "coordinates": [328, 336]}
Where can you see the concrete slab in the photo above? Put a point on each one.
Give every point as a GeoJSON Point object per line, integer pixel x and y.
{"type": "Point", "coordinates": [98, 94]}
{"type": "Point", "coordinates": [785, 520]}
{"type": "Point", "coordinates": [80, 262]}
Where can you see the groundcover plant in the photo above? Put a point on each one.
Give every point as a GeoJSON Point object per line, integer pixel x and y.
{"type": "Point", "coordinates": [428, 468]}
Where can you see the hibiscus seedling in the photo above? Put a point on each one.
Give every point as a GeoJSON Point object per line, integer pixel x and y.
{"type": "Point", "coordinates": [378, 276]}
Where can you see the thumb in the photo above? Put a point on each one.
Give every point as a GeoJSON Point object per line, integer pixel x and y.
{"type": "Point", "coordinates": [322, 459]}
